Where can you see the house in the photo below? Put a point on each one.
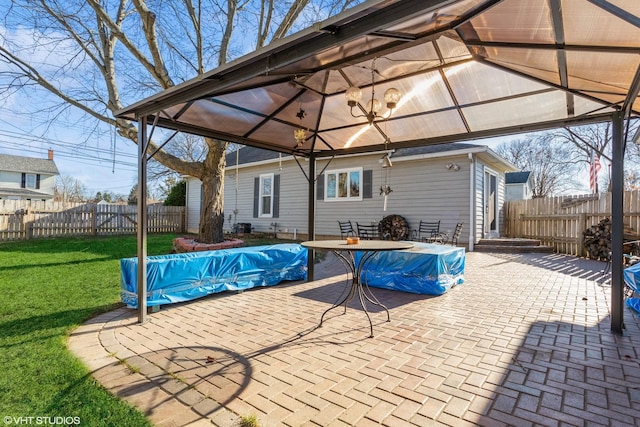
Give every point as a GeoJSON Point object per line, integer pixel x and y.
{"type": "Point", "coordinates": [27, 178]}
{"type": "Point", "coordinates": [268, 192]}
{"type": "Point", "coordinates": [518, 185]}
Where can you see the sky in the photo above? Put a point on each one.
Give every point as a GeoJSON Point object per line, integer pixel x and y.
{"type": "Point", "coordinates": [95, 158]}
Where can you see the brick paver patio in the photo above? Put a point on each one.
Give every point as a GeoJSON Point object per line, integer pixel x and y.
{"type": "Point", "coordinates": [524, 341]}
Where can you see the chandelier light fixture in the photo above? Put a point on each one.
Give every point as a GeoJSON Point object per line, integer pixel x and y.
{"type": "Point", "coordinates": [372, 109]}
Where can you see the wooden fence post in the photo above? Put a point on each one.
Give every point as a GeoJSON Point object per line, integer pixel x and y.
{"type": "Point", "coordinates": [582, 225]}
{"type": "Point", "coordinates": [27, 225]}
{"type": "Point", "coordinates": [94, 219]}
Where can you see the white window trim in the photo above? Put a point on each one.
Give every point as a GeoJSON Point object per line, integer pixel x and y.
{"type": "Point", "coordinates": [348, 171]}
{"type": "Point", "coordinates": [261, 196]}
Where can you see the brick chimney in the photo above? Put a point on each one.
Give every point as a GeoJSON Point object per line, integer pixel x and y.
{"type": "Point", "coordinates": [50, 154]}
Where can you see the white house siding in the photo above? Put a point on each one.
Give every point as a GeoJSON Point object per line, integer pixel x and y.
{"type": "Point", "coordinates": [13, 180]}
{"type": "Point", "coordinates": [514, 191]}
{"type": "Point", "coordinates": [193, 204]}
{"type": "Point", "coordinates": [47, 184]}
{"type": "Point", "coordinates": [10, 179]}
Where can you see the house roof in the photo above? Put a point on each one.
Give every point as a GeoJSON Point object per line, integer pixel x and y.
{"type": "Point", "coordinates": [27, 164]}
{"type": "Point", "coordinates": [466, 69]}
{"type": "Point", "coordinates": [517, 177]}
{"type": "Point", "coordinates": [247, 155]}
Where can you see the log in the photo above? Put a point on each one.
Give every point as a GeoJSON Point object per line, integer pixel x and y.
{"type": "Point", "coordinates": [597, 240]}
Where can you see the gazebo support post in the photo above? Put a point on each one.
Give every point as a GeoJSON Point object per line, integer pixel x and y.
{"type": "Point", "coordinates": [617, 222]}
{"type": "Point", "coordinates": [311, 215]}
{"type": "Point", "coordinates": [142, 219]}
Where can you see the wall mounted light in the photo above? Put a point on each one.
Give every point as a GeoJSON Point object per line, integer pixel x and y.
{"type": "Point", "coordinates": [452, 166]}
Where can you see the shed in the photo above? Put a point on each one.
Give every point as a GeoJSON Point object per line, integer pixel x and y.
{"type": "Point", "coordinates": [518, 185]}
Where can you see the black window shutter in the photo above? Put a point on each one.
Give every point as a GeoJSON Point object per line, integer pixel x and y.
{"type": "Point", "coordinates": [23, 182]}
{"type": "Point", "coordinates": [320, 188]}
{"type": "Point", "coordinates": [256, 196]}
{"type": "Point", "coordinates": [276, 196]}
{"type": "Point", "coordinates": [37, 181]}
{"type": "Point", "coordinates": [367, 184]}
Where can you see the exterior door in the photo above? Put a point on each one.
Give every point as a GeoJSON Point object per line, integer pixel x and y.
{"type": "Point", "coordinates": [490, 204]}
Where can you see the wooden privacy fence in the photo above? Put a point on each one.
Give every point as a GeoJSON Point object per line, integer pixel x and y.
{"type": "Point", "coordinates": [29, 220]}
{"type": "Point", "coordinates": [560, 221]}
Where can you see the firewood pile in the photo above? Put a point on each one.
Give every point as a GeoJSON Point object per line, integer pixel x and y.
{"type": "Point", "coordinates": [394, 227]}
{"type": "Point", "coordinates": [597, 240]}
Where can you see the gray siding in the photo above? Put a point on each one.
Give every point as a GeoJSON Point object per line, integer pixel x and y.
{"type": "Point", "coordinates": [423, 189]}
{"type": "Point", "coordinates": [238, 201]}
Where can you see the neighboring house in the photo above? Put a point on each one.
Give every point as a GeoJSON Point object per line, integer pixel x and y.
{"type": "Point", "coordinates": [27, 178]}
{"type": "Point", "coordinates": [447, 182]}
{"type": "Point", "coordinates": [518, 185]}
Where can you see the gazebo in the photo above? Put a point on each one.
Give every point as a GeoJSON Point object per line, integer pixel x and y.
{"type": "Point", "coordinates": [402, 73]}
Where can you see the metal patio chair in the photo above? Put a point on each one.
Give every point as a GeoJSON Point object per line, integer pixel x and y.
{"type": "Point", "coordinates": [346, 229]}
{"type": "Point", "coordinates": [429, 232]}
{"type": "Point", "coordinates": [453, 239]}
{"type": "Point", "coordinates": [367, 231]}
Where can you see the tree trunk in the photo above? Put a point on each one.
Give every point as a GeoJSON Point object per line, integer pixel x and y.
{"type": "Point", "coordinates": [212, 211]}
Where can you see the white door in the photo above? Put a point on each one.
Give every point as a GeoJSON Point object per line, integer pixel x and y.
{"type": "Point", "coordinates": [490, 204]}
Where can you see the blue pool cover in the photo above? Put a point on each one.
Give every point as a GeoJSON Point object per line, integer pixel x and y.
{"type": "Point", "coordinates": [632, 279]}
{"type": "Point", "coordinates": [425, 269]}
{"type": "Point", "coordinates": [183, 277]}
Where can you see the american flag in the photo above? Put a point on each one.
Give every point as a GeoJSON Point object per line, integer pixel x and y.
{"type": "Point", "coordinates": [594, 170]}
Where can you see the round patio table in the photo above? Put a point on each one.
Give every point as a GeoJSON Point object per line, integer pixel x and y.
{"type": "Point", "coordinates": [346, 253]}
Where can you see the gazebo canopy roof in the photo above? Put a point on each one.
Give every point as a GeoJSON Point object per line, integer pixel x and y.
{"type": "Point", "coordinates": [466, 69]}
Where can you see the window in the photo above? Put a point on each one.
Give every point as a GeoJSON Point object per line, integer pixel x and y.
{"type": "Point", "coordinates": [30, 180]}
{"type": "Point", "coordinates": [266, 196]}
{"type": "Point", "coordinates": [343, 184]}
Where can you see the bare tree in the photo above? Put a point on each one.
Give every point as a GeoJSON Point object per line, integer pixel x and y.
{"type": "Point", "coordinates": [556, 157]}
{"type": "Point", "coordinates": [596, 139]}
{"type": "Point", "coordinates": [68, 189]}
{"type": "Point", "coordinates": [93, 54]}
{"type": "Point", "coordinates": [552, 164]}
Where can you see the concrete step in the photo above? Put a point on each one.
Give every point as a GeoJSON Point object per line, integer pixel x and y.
{"type": "Point", "coordinates": [512, 246]}
{"type": "Point", "coordinates": [509, 242]}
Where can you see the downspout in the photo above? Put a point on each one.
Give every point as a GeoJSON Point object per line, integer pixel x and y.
{"type": "Point", "coordinates": [472, 199]}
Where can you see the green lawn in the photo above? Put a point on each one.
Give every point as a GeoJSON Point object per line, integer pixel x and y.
{"type": "Point", "coordinates": [49, 287]}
